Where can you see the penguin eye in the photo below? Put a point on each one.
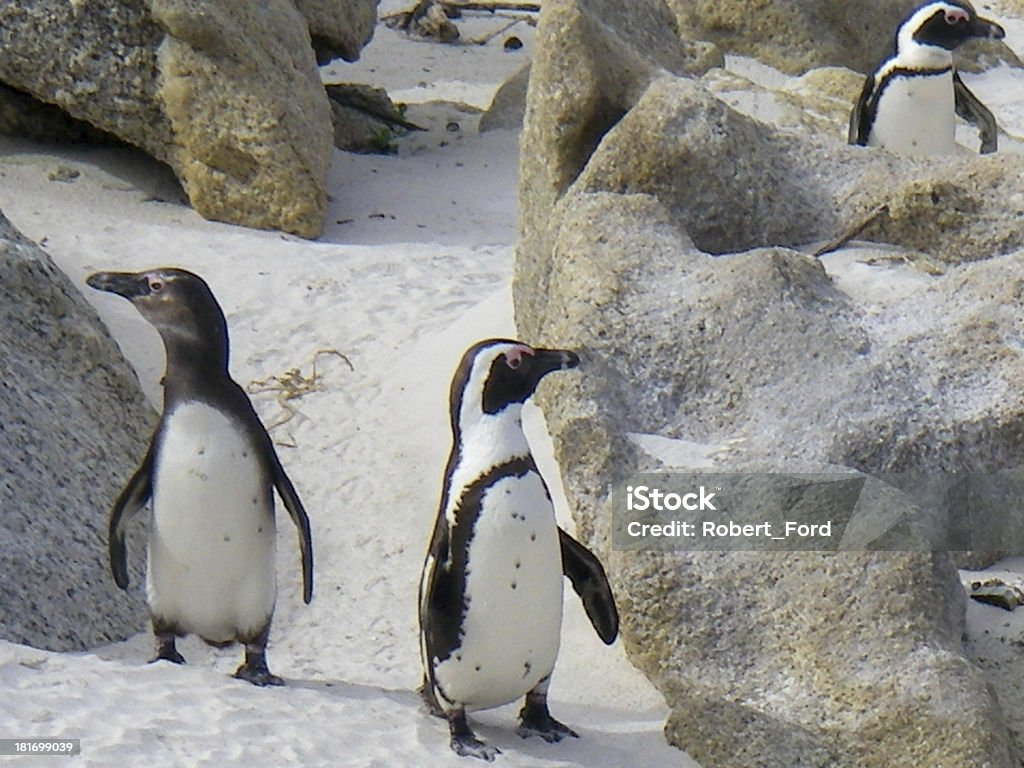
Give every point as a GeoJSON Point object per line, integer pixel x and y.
{"type": "Point", "coordinates": [155, 285]}
{"type": "Point", "coordinates": [955, 17]}
{"type": "Point", "coordinates": [514, 357]}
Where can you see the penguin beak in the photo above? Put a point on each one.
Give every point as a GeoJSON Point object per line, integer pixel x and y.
{"type": "Point", "coordinates": [124, 284]}
{"type": "Point", "coordinates": [548, 360]}
{"type": "Point", "coordinates": [985, 28]}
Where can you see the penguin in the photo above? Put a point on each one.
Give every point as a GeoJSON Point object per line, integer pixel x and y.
{"type": "Point", "coordinates": [210, 473]}
{"type": "Point", "coordinates": [910, 102]}
{"type": "Point", "coordinates": [491, 591]}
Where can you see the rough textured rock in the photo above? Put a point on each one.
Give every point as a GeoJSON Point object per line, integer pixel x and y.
{"type": "Point", "coordinates": [228, 95]}
{"type": "Point", "coordinates": [509, 104]}
{"type": "Point", "coordinates": [765, 186]}
{"type": "Point", "coordinates": [818, 102]}
{"type": "Point", "coordinates": [21, 115]}
{"type": "Point", "coordinates": [249, 117]}
{"type": "Point", "coordinates": [758, 358]}
{"type": "Point", "coordinates": [781, 660]}
{"type": "Point", "coordinates": [73, 427]}
{"type": "Point", "coordinates": [798, 35]}
{"type": "Point", "coordinates": [593, 60]}
{"type": "Point", "coordinates": [365, 119]}
{"type": "Point", "coordinates": [339, 28]}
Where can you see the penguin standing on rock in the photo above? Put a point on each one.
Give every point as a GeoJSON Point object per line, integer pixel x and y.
{"type": "Point", "coordinates": [491, 593]}
{"type": "Point", "coordinates": [210, 473]}
{"type": "Point", "coordinates": [910, 102]}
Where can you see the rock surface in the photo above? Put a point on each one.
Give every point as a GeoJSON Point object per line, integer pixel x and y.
{"type": "Point", "coordinates": [73, 427]}
{"type": "Point", "coordinates": [762, 357]}
{"type": "Point", "coordinates": [228, 95]}
{"type": "Point", "coordinates": [508, 105]}
{"type": "Point", "coordinates": [762, 186]}
{"type": "Point", "coordinates": [592, 62]}
{"type": "Point", "coordinates": [365, 119]}
{"type": "Point", "coordinates": [339, 28]}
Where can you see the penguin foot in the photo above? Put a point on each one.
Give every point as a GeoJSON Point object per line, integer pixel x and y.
{"type": "Point", "coordinates": [254, 670]}
{"type": "Point", "coordinates": [166, 651]}
{"type": "Point", "coordinates": [552, 731]}
{"type": "Point", "coordinates": [471, 746]}
{"type": "Point", "coordinates": [257, 675]}
{"type": "Point", "coordinates": [464, 743]}
{"type": "Point", "coordinates": [536, 720]}
{"type": "Point", "coordinates": [174, 657]}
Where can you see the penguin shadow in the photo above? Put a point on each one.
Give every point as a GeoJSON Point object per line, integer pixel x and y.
{"type": "Point", "coordinates": [119, 166]}
{"type": "Point", "coordinates": [596, 747]}
{"type": "Point", "coordinates": [356, 691]}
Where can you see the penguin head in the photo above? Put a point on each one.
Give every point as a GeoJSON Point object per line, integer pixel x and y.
{"type": "Point", "coordinates": [497, 374]}
{"type": "Point", "coordinates": [178, 303]}
{"type": "Point", "coordinates": [942, 26]}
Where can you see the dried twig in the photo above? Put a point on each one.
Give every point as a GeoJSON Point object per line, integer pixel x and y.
{"type": "Point", "coordinates": [408, 21]}
{"type": "Point", "coordinates": [494, 7]}
{"type": "Point", "coordinates": [485, 39]}
{"type": "Point", "coordinates": [852, 232]}
{"type": "Point", "coordinates": [292, 385]}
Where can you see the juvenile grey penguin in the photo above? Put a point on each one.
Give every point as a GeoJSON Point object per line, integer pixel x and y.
{"type": "Point", "coordinates": [910, 102]}
{"type": "Point", "coordinates": [491, 592]}
{"type": "Point", "coordinates": [210, 474]}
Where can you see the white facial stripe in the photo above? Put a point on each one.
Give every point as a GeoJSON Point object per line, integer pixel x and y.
{"type": "Point", "coordinates": [473, 392]}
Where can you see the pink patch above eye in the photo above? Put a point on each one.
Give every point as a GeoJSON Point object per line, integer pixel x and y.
{"type": "Point", "coordinates": [514, 357]}
{"type": "Point", "coordinates": [953, 17]}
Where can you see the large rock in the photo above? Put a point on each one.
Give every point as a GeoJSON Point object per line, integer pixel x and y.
{"type": "Point", "coordinates": [757, 358]}
{"type": "Point", "coordinates": [798, 35]}
{"type": "Point", "coordinates": [762, 186]}
{"type": "Point", "coordinates": [508, 105]}
{"type": "Point", "coordinates": [592, 62]}
{"type": "Point", "coordinates": [22, 115]}
{"type": "Point", "coordinates": [73, 427]}
{"type": "Point", "coordinates": [227, 94]}
{"type": "Point", "coordinates": [339, 28]}
{"type": "Point", "coordinates": [781, 660]}
{"type": "Point", "coordinates": [251, 124]}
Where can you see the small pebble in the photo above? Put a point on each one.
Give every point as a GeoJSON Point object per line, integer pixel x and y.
{"type": "Point", "coordinates": [63, 173]}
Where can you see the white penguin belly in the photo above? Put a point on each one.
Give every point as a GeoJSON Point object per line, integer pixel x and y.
{"type": "Point", "coordinates": [510, 633]}
{"type": "Point", "coordinates": [211, 549]}
{"type": "Point", "coordinates": [916, 116]}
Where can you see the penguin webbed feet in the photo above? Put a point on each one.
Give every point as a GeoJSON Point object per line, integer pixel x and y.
{"type": "Point", "coordinates": [254, 669]}
{"type": "Point", "coordinates": [536, 720]}
{"type": "Point", "coordinates": [464, 742]}
{"type": "Point", "coordinates": [167, 651]}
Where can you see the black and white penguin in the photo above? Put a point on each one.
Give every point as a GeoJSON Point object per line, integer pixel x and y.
{"type": "Point", "coordinates": [491, 593]}
{"type": "Point", "coordinates": [910, 102]}
{"type": "Point", "coordinates": [210, 473]}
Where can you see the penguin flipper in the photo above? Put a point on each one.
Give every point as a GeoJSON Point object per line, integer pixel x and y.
{"type": "Point", "coordinates": [440, 604]}
{"type": "Point", "coordinates": [591, 583]}
{"type": "Point", "coordinates": [297, 512]}
{"type": "Point", "coordinates": [970, 108]}
{"type": "Point", "coordinates": [860, 115]}
{"type": "Point", "coordinates": [133, 498]}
